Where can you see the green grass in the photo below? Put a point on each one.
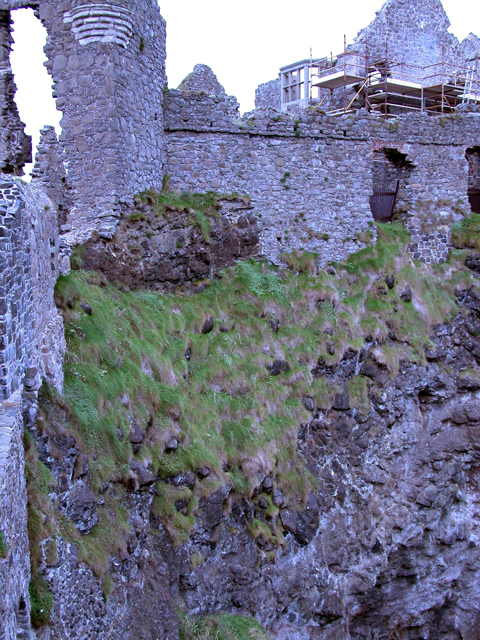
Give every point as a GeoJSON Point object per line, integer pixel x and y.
{"type": "Point", "coordinates": [3, 547]}
{"type": "Point", "coordinates": [41, 601]}
{"type": "Point", "coordinates": [127, 361]}
{"type": "Point", "coordinates": [466, 234]}
{"type": "Point", "coordinates": [220, 627]}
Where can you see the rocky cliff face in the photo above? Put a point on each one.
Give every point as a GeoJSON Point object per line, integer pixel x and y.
{"type": "Point", "coordinates": [164, 241]}
{"type": "Point", "coordinates": [365, 527]}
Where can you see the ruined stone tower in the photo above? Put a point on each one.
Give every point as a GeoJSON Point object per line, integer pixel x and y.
{"type": "Point", "coordinates": [107, 62]}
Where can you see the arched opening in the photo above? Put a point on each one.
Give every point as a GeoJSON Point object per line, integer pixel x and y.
{"type": "Point", "coordinates": [473, 159]}
{"type": "Point", "coordinates": [34, 98]}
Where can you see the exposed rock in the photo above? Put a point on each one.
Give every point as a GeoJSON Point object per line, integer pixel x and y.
{"type": "Point", "coordinates": [136, 437]}
{"type": "Point", "coordinates": [278, 367]}
{"type": "Point", "coordinates": [473, 262]}
{"type": "Point", "coordinates": [307, 521]}
{"type": "Point", "coordinates": [341, 402]}
{"type": "Point", "coordinates": [164, 252]}
{"type": "Point", "coordinates": [186, 479]}
{"type": "Point", "coordinates": [308, 404]}
{"type": "Point", "coordinates": [81, 507]}
{"type": "Point", "coordinates": [390, 281]}
{"type": "Point", "coordinates": [212, 507]}
{"type": "Point", "coordinates": [140, 476]}
{"type": "Point", "coordinates": [208, 325]}
{"type": "Point", "coordinates": [406, 294]}
{"type": "Point", "coordinates": [289, 520]}
{"type": "Point", "coordinates": [172, 445]}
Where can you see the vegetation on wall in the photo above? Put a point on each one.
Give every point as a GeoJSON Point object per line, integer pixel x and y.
{"type": "Point", "coordinates": [3, 546]}
{"type": "Point", "coordinates": [220, 627]}
{"type": "Point", "coordinates": [226, 375]}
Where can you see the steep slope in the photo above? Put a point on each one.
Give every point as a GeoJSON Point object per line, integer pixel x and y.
{"type": "Point", "coordinates": [296, 445]}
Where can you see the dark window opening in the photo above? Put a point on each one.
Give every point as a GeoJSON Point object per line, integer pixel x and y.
{"type": "Point", "coordinates": [391, 173]}
{"type": "Point", "coordinates": [473, 159]}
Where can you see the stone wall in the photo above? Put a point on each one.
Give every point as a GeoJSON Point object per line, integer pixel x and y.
{"type": "Point", "coordinates": [31, 327]}
{"type": "Point", "coordinates": [15, 146]}
{"type": "Point", "coordinates": [107, 62]}
{"type": "Point", "coordinates": [409, 32]}
{"type": "Point", "coordinates": [49, 172]}
{"type": "Point", "coordinates": [268, 95]}
{"type": "Point", "coordinates": [310, 177]}
{"type": "Point", "coordinates": [32, 342]}
{"type": "Point", "coordinates": [15, 558]}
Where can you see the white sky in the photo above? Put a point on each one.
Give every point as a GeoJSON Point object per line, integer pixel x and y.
{"type": "Point", "coordinates": [244, 43]}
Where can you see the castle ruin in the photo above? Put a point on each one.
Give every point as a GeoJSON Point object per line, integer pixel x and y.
{"type": "Point", "coordinates": [323, 140]}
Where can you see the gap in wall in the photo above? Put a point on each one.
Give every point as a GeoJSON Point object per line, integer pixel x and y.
{"type": "Point", "coordinates": [34, 98]}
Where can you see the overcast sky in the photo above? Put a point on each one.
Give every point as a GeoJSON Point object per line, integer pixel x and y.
{"type": "Point", "coordinates": [244, 43]}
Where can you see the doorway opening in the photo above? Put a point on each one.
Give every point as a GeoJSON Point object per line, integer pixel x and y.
{"type": "Point", "coordinates": [391, 173]}
{"type": "Point", "coordinates": [473, 159]}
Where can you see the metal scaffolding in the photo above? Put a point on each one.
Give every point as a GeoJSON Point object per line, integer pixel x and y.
{"type": "Point", "coordinates": [353, 79]}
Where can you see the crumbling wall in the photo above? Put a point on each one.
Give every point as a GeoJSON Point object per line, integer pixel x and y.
{"type": "Point", "coordinates": [310, 177]}
{"type": "Point", "coordinates": [413, 32]}
{"type": "Point", "coordinates": [15, 146]}
{"type": "Point", "coordinates": [107, 62]}
{"type": "Point", "coordinates": [473, 159]}
{"type": "Point", "coordinates": [32, 345]}
{"type": "Point", "coordinates": [31, 328]}
{"type": "Point", "coordinates": [268, 95]}
{"type": "Point", "coordinates": [469, 49]}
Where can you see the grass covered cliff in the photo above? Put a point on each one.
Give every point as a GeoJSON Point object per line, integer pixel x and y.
{"type": "Point", "coordinates": [186, 396]}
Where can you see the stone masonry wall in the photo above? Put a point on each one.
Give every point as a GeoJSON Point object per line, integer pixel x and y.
{"type": "Point", "coordinates": [49, 172]}
{"type": "Point", "coordinates": [15, 146]}
{"type": "Point", "coordinates": [409, 31]}
{"type": "Point", "coordinates": [15, 560]}
{"type": "Point", "coordinates": [31, 328]}
{"type": "Point", "coordinates": [16, 301]}
{"type": "Point", "coordinates": [268, 95]}
{"type": "Point", "coordinates": [32, 342]}
{"type": "Point", "coordinates": [107, 62]}
{"type": "Point", "coordinates": [310, 178]}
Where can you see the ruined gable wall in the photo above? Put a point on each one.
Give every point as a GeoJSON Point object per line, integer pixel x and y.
{"type": "Point", "coordinates": [411, 30]}
{"type": "Point", "coordinates": [310, 178]}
